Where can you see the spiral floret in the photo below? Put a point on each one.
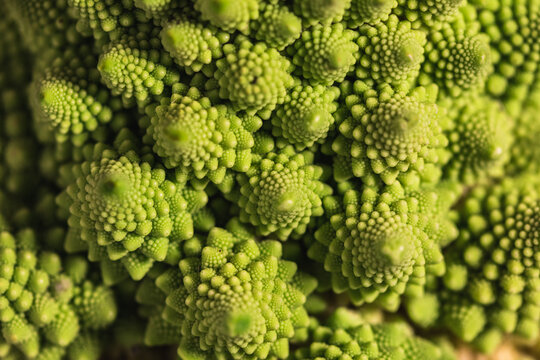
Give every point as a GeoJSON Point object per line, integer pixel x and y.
{"type": "Point", "coordinates": [391, 136]}
{"type": "Point", "coordinates": [325, 54]}
{"type": "Point", "coordinates": [253, 77]}
{"type": "Point", "coordinates": [126, 211]}
{"type": "Point", "coordinates": [130, 67]}
{"type": "Point", "coordinates": [191, 44]}
{"type": "Point", "coordinates": [229, 15]}
{"type": "Point", "coordinates": [280, 193]}
{"type": "Point", "coordinates": [243, 299]}
{"type": "Point", "coordinates": [188, 132]}
{"type": "Point", "coordinates": [306, 115]}
{"type": "Point", "coordinates": [391, 52]}
{"type": "Point", "coordinates": [277, 26]}
{"type": "Point", "coordinates": [375, 246]}
{"type": "Point", "coordinates": [71, 106]}
{"type": "Point", "coordinates": [458, 59]}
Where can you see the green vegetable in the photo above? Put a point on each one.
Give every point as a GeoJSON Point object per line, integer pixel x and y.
{"type": "Point", "coordinates": [126, 211]}
{"type": "Point", "coordinates": [391, 52]}
{"type": "Point", "coordinates": [132, 68]}
{"type": "Point", "coordinates": [306, 115]}
{"type": "Point", "coordinates": [191, 44]}
{"type": "Point", "coordinates": [189, 133]}
{"type": "Point", "coordinates": [268, 179]}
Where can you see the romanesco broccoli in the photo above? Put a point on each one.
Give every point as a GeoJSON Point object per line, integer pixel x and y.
{"type": "Point", "coordinates": [268, 179]}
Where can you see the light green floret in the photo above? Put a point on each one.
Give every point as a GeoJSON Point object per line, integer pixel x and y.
{"type": "Point", "coordinates": [480, 138]}
{"type": "Point", "coordinates": [102, 17]}
{"type": "Point", "coordinates": [126, 211]}
{"type": "Point", "coordinates": [253, 77]}
{"type": "Point", "coordinates": [135, 68]}
{"type": "Point", "coordinates": [429, 13]}
{"type": "Point", "coordinates": [306, 115]}
{"type": "Point", "coordinates": [280, 193]}
{"type": "Point", "coordinates": [188, 132]}
{"type": "Point", "coordinates": [325, 54]}
{"type": "Point", "coordinates": [43, 305]}
{"type": "Point", "coordinates": [229, 15]}
{"type": "Point", "coordinates": [277, 26]}
{"type": "Point", "coordinates": [321, 11]}
{"type": "Point", "coordinates": [345, 336]}
{"type": "Point", "coordinates": [238, 299]}
{"type": "Point", "coordinates": [458, 58]}
{"type": "Point", "coordinates": [494, 267]}
{"type": "Point", "coordinates": [369, 12]}
{"type": "Point", "coordinates": [376, 245]}
{"type": "Point", "coordinates": [390, 136]}
{"type": "Point", "coordinates": [391, 52]}
{"type": "Point", "coordinates": [72, 103]}
{"type": "Point", "coordinates": [191, 44]}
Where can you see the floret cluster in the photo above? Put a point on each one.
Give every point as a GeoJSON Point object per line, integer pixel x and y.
{"type": "Point", "coordinates": [268, 179]}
